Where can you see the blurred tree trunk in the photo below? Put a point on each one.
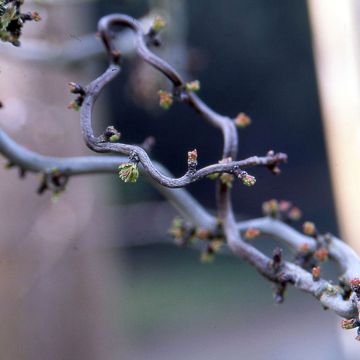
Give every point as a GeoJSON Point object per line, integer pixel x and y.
{"type": "Point", "coordinates": [57, 287]}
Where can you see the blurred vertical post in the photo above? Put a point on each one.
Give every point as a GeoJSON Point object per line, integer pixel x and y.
{"type": "Point", "coordinates": [335, 41]}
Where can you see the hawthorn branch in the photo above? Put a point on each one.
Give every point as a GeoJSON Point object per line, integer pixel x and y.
{"type": "Point", "coordinates": [340, 252]}
{"type": "Point", "coordinates": [97, 144]}
{"type": "Point", "coordinates": [195, 213]}
{"type": "Point", "coordinates": [279, 272]}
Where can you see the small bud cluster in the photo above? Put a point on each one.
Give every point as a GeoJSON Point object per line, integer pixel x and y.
{"type": "Point", "coordinates": [355, 287]}
{"type": "Point", "coordinates": [165, 99]}
{"type": "Point", "coordinates": [12, 20]}
{"type": "Point", "coordinates": [214, 246]}
{"type": "Point", "coordinates": [79, 90]}
{"type": "Point", "coordinates": [210, 242]}
{"type": "Point", "coordinates": [247, 180]}
{"type": "Point", "coordinates": [193, 86]}
{"type": "Point", "coordinates": [179, 231]}
{"type": "Point", "coordinates": [129, 172]}
{"type": "Point", "coordinates": [321, 253]}
{"type": "Point", "coordinates": [354, 322]}
{"type": "Point", "coordinates": [227, 178]}
{"type": "Point", "coordinates": [312, 257]}
{"type": "Point", "coordinates": [282, 210]}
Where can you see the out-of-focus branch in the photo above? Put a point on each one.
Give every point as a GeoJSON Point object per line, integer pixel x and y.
{"type": "Point", "coordinates": [71, 52]}
{"type": "Point", "coordinates": [30, 161]}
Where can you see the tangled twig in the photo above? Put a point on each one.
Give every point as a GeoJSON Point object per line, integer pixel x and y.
{"type": "Point", "coordinates": [310, 249]}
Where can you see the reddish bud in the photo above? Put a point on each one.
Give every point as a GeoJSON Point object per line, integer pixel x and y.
{"type": "Point", "coordinates": [242, 120]}
{"type": "Point", "coordinates": [321, 254]}
{"type": "Point", "coordinates": [295, 214]}
{"type": "Point", "coordinates": [355, 286]}
{"type": "Point", "coordinates": [165, 99]}
{"type": "Point", "coordinates": [270, 207]}
{"type": "Point", "coordinates": [202, 233]}
{"type": "Point", "coordinates": [316, 273]}
{"type": "Point", "coordinates": [251, 233]}
{"type": "Point", "coordinates": [355, 282]}
{"type": "Point", "coordinates": [304, 248]}
{"type": "Point", "coordinates": [349, 324]}
{"type": "Point", "coordinates": [248, 180]}
{"type": "Point", "coordinates": [192, 155]}
{"type": "Point", "coordinates": [284, 205]}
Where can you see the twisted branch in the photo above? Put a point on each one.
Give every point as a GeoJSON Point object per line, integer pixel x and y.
{"type": "Point", "coordinates": [344, 300]}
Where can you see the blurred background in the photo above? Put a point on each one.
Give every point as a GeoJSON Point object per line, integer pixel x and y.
{"type": "Point", "coordinates": [95, 275]}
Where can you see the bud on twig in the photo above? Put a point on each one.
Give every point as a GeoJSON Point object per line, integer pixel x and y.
{"type": "Point", "coordinates": [165, 99]}
{"type": "Point", "coordinates": [242, 120]}
{"type": "Point", "coordinates": [227, 179]}
{"type": "Point", "coordinates": [76, 88]}
{"type": "Point", "coordinates": [355, 287]}
{"type": "Point", "coordinates": [248, 180]}
{"type": "Point", "coordinates": [251, 233]}
{"type": "Point", "coordinates": [295, 214]}
{"type": "Point", "coordinates": [216, 245]}
{"type": "Point", "coordinates": [158, 24]}
{"type": "Point", "coordinates": [35, 16]}
{"type": "Point", "coordinates": [75, 104]}
{"type": "Point", "coordinates": [128, 172]}
{"type": "Point", "coordinates": [270, 208]}
{"type": "Point", "coordinates": [193, 86]}
{"type": "Point", "coordinates": [111, 134]}
{"type": "Point", "coordinates": [348, 324]}
{"type": "Point", "coordinates": [321, 254]}
{"type": "Point", "coordinates": [202, 233]}
{"type": "Point", "coordinates": [309, 228]}
{"type": "Point", "coordinates": [304, 248]}
{"type": "Point", "coordinates": [315, 271]}
{"type": "Point", "coordinates": [192, 160]}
